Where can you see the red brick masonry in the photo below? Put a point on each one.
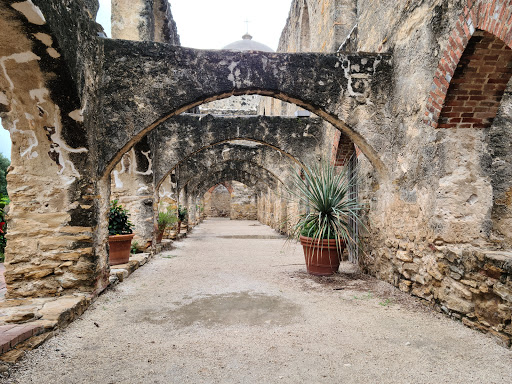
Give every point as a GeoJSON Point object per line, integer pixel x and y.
{"type": "Point", "coordinates": [494, 17]}
{"type": "Point", "coordinates": [11, 335]}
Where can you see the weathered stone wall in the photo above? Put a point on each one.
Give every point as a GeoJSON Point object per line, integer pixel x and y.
{"type": "Point", "coordinates": [243, 202]}
{"type": "Point", "coordinates": [444, 178]}
{"type": "Point", "coordinates": [235, 105]}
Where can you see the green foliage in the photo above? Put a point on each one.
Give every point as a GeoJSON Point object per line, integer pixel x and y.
{"type": "Point", "coordinates": [182, 213]}
{"type": "Point", "coordinates": [4, 164]}
{"type": "Point", "coordinates": [386, 303]}
{"type": "Point", "coordinates": [166, 219]}
{"type": "Point", "coordinates": [118, 223]}
{"type": "Point", "coordinates": [134, 248]}
{"type": "Point", "coordinates": [325, 191]}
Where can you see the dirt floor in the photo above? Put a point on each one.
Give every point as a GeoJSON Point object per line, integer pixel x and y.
{"type": "Point", "coordinates": [233, 304]}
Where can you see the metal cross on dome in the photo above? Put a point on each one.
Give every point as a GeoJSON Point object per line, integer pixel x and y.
{"type": "Point", "coordinates": [247, 22]}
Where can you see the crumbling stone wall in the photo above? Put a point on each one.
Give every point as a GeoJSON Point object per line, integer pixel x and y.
{"type": "Point", "coordinates": [51, 217]}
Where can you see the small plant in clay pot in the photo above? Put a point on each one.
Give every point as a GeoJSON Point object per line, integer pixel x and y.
{"type": "Point", "coordinates": [165, 220]}
{"type": "Point", "coordinates": [182, 216]}
{"type": "Point", "coordinates": [324, 230]}
{"type": "Point", "coordinates": [120, 234]}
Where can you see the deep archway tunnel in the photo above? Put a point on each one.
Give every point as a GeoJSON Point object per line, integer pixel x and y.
{"type": "Point", "coordinates": [300, 140]}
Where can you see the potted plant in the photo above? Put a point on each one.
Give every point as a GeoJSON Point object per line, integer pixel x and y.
{"type": "Point", "coordinates": [182, 216]}
{"type": "Point", "coordinates": [165, 220]}
{"type": "Point", "coordinates": [120, 234]}
{"type": "Point", "coordinates": [324, 228]}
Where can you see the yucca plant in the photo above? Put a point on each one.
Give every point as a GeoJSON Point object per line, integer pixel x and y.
{"type": "Point", "coordinates": [324, 190]}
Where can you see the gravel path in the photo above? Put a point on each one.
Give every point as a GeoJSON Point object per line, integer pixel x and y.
{"type": "Point", "coordinates": [232, 304]}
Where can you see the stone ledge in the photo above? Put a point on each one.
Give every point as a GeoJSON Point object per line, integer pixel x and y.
{"type": "Point", "coordinates": [501, 259]}
{"type": "Point", "coordinates": [24, 319]}
{"type": "Point", "coordinates": [121, 271]}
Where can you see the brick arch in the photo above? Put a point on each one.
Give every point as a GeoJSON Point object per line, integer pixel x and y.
{"type": "Point", "coordinates": [226, 185]}
{"type": "Point", "coordinates": [479, 21]}
{"type": "Point", "coordinates": [343, 149]}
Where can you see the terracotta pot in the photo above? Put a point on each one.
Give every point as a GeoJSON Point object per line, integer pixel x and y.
{"type": "Point", "coordinates": [322, 256]}
{"type": "Point", "coordinates": [159, 236]}
{"type": "Point", "coordinates": [119, 248]}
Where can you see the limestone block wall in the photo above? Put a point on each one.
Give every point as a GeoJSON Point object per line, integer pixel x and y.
{"type": "Point", "coordinates": [448, 182]}
{"type": "Point", "coordinates": [235, 105]}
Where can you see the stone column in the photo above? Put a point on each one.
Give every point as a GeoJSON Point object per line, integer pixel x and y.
{"type": "Point", "coordinates": [132, 186]}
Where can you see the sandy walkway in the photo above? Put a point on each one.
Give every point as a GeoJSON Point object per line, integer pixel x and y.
{"type": "Point", "coordinates": [233, 305]}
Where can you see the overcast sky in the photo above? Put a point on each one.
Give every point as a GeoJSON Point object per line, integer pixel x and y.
{"type": "Point", "coordinates": [210, 24]}
{"type": "Point", "coordinates": [213, 24]}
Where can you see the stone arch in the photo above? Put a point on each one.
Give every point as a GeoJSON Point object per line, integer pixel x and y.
{"type": "Point", "coordinates": [226, 185]}
{"type": "Point", "coordinates": [294, 138]}
{"type": "Point", "coordinates": [261, 155]}
{"type": "Point", "coordinates": [492, 17]}
{"type": "Point", "coordinates": [335, 87]}
{"type": "Point", "coordinates": [232, 167]}
{"type": "Point", "coordinates": [241, 176]}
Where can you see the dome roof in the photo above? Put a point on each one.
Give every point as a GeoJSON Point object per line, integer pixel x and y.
{"type": "Point", "coordinates": [248, 44]}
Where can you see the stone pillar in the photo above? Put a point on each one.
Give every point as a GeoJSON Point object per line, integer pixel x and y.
{"type": "Point", "coordinates": [51, 216]}
{"type": "Point", "coordinates": [144, 20]}
{"type": "Point", "coordinates": [132, 19]}
{"type": "Point", "coordinates": [132, 186]}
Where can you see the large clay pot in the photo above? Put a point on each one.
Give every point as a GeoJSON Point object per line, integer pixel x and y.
{"type": "Point", "coordinates": [322, 256]}
{"type": "Point", "coordinates": [119, 248]}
